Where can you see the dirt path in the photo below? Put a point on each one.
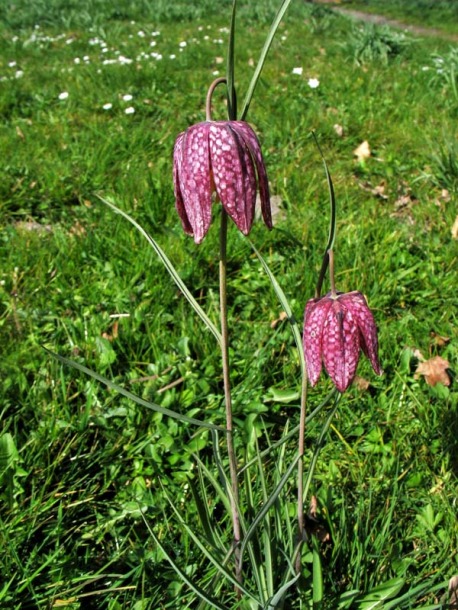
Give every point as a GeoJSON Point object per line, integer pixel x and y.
{"type": "Point", "coordinates": [394, 23]}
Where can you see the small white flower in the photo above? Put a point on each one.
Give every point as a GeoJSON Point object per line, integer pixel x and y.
{"type": "Point", "coordinates": [63, 95]}
{"type": "Point", "coordinates": [183, 44]}
{"type": "Point", "coordinates": [313, 83]}
{"type": "Point", "coordinates": [129, 110]}
{"type": "Point", "coordinates": [127, 97]}
{"type": "Point", "coordinates": [107, 106]}
{"type": "Point", "coordinates": [215, 72]}
{"type": "Point", "coordinates": [155, 33]}
{"type": "Point", "coordinates": [77, 60]}
{"type": "Point", "coordinates": [19, 74]}
{"type": "Point", "coordinates": [153, 43]}
{"type": "Point", "coordinates": [298, 71]}
{"type": "Point", "coordinates": [173, 56]}
{"type": "Point", "coordinates": [141, 33]}
{"type": "Point", "coordinates": [11, 64]}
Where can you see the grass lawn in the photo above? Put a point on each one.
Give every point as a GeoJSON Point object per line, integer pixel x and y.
{"type": "Point", "coordinates": [92, 97]}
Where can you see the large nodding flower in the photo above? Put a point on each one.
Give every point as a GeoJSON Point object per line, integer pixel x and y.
{"type": "Point", "coordinates": [223, 157]}
{"type": "Point", "coordinates": [336, 328]}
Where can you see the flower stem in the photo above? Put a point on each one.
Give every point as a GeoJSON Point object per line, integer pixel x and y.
{"type": "Point", "coordinates": [331, 273]}
{"type": "Point", "coordinates": [300, 471]}
{"type": "Point", "coordinates": [208, 102]}
{"type": "Point", "coordinates": [234, 496]}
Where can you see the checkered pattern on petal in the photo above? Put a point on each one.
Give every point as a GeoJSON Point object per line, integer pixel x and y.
{"type": "Point", "coordinates": [255, 150]}
{"type": "Point", "coordinates": [195, 179]}
{"type": "Point", "coordinates": [357, 304]}
{"type": "Point", "coordinates": [233, 173]}
{"type": "Point", "coordinates": [340, 345]}
{"type": "Point", "coordinates": [177, 169]}
{"type": "Point", "coordinates": [316, 312]}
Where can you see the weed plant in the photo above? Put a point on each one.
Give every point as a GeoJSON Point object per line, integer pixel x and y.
{"type": "Point", "coordinates": [80, 464]}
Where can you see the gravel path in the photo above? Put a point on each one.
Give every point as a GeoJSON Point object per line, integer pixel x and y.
{"type": "Point", "coordinates": [394, 23]}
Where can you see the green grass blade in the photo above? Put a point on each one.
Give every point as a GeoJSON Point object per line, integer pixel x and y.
{"type": "Point", "coordinates": [319, 443]}
{"type": "Point", "coordinates": [130, 395]}
{"type": "Point", "coordinates": [219, 565]}
{"type": "Point", "coordinates": [231, 95]}
{"type": "Point", "coordinates": [170, 268]}
{"type": "Point", "coordinates": [375, 598]}
{"type": "Point", "coordinates": [262, 58]}
{"type": "Point", "coordinates": [197, 590]}
{"type": "Point", "coordinates": [317, 578]}
{"type": "Point", "coordinates": [272, 498]}
{"type": "Point", "coordinates": [285, 304]}
{"type": "Point", "coordinates": [293, 431]}
{"type": "Point", "coordinates": [278, 597]}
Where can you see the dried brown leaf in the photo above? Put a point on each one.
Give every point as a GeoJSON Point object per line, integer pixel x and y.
{"type": "Point", "coordinates": [283, 315]}
{"type": "Point", "coordinates": [363, 151]}
{"type": "Point", "coordinates": [438, 339]}
{"type": "Point", "coordinates": [455, 229]}
{"type": "Point", "coordinates": [434, 371]}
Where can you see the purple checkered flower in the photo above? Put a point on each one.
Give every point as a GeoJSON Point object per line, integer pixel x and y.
{"type": "Point", "coordinates": [221, 156]}
{"type": "Point", "coordinates": [336, 328]}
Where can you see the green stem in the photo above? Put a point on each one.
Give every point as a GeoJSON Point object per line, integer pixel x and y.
{"type": "Point", "coordinates": [331, 273]}
{"type": "Point", "coordinates": [300, 470]}
{"type": "Point", "coordinates": [234, 496]}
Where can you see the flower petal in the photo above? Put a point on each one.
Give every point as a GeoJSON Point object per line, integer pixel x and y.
{"type": "Point", "coordinates": [340, 345]}
{"type": "Point", "coordinates": [357, 304]}
{"type": "Point", "coordinates": [263, 183]}
{"type": "Point", "coordinates": [316, 312]}
{"type": "Point", "coordinates": [195, 179]}
{"type": "Point", "coordinates": [233, 173]}
{"type": "Point", "coordinates": [177, 170]}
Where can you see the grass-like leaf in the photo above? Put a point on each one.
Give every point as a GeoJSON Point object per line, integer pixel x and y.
{"type": "Point", "coordinates": [183, 577]}
{"type": "Point", "coordinates": [170, 268]}
{"type": "Point", "coordinates": [332, 220]}
{"type": "Point", "coordinates": [272, 498]}
{"type": "Point", "coordinates": [285, 304]}
{"type": "Point", "coordinates": [279, 595]}
{"type": "Point", "coordinates": [120, 390]}
{"type": "Point", "coordinates": [231, 94]}
{"type": "Point", "coordinates": [262, 58]}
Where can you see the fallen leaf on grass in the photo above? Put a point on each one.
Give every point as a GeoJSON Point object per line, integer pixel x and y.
{"type": "Point", "coordinates": [339, 130]}
{"type": "Point", "coordinates": [438, 339]}
{"type": "Point", "coordinates": [453, 592]}
{"type": "Point", "coordinates": [378, 191]}
{"type": "Point", "coordinates": [362, 384]}
{"type": "Point", "coordinates": [283, 315]}
{"type": "Point", "coordinates": [434, 371]}
{"type": "Point", "coordinates": [363, 151]}
{"type": "Point", "coordinates": [455, 229]}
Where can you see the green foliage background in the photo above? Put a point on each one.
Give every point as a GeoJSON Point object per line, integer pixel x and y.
{"type": "Point", "coordinates": [79, 464]}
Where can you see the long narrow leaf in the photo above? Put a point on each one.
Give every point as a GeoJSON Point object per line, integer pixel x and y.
{"type": "Point", "coordinates": [220, 565]}
{"type": "Point", "coordinates": [285, 304]}
{"type": "Point", "coordinates": [197, 590]}
{"type": "Point", "coordinates": [319, 443]}
{"type": "Point", "coordinates": [120, 390]}
{"type": "Point", "coordinates": [170, 268]}
{"type": "Point", "coordinates": [279, 595]}
{"type": "Point", "coordinates": [262, 58]}
{"type": "Point", "coordinates": [231, 95]}
{"type": "Point", "coordinates": [272, 498]}
{"type": "Point", "coordinates": [332, 220]}
{"type": "Point", "coordinates": [293, 431]}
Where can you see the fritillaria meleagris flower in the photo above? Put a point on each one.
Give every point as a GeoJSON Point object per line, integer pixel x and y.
{"type": "Point", "coordinates": [336, 328]}
{"type": "Point", "coordinates": [221, 156]}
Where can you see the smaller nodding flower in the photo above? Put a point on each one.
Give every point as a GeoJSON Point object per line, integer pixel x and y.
{"type": "Point", "coordinates": [336, 328]}
{"type": "Point", "coordinates": [223, 157]}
